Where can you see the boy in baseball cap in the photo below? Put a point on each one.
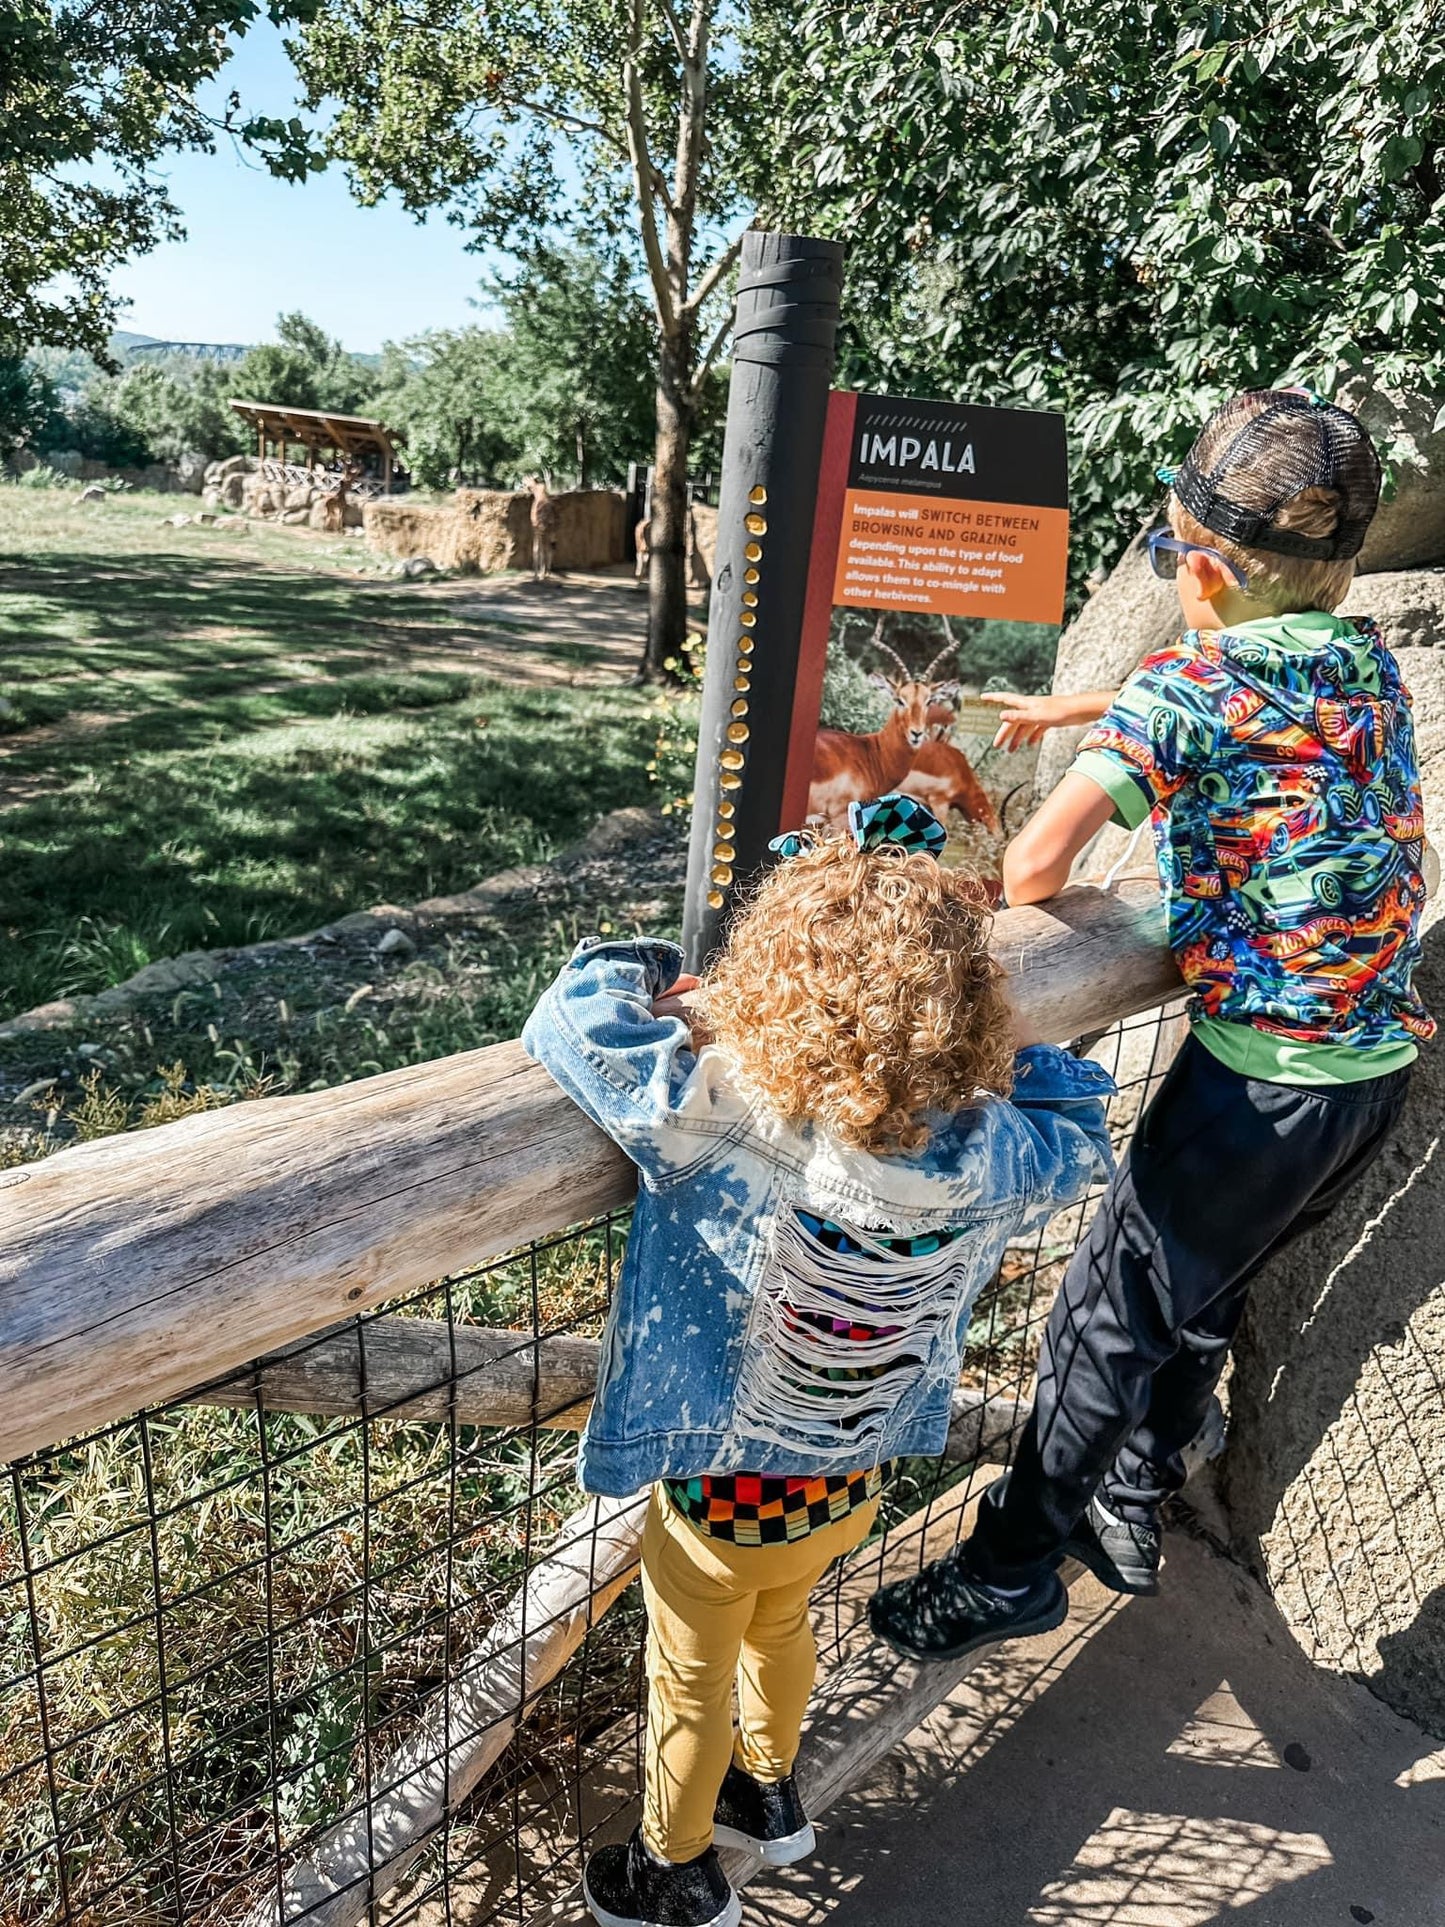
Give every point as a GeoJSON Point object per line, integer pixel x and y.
{"type": "Point", "coordinates": [1272, 751]}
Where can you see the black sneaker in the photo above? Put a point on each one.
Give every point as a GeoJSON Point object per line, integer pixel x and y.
{"type": "Point", "coordinates": [625, 1887]}
{"type": "Point", "coordinates": [1124, 1557]}
{"type": "Point", "coordinates": [944, 1612]}
{"type": "Point", "coordinates": [764, 1817]}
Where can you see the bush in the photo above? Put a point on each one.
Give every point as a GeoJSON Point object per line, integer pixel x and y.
{"type": "Point", "coordinates": [850, 701]}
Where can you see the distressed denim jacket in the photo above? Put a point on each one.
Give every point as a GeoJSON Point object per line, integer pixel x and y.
{"type": "Point", "coordinates": [726, 1346]}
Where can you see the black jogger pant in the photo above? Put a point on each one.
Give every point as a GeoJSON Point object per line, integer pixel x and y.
{"type": "Point", "coordinates": [1222, 1171]}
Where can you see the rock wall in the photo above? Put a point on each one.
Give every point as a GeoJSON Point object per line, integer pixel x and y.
{"type": "Point", "coordinates": [480, 530]}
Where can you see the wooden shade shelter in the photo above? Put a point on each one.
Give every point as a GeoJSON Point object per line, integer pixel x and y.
{"type": "Point", "coordinates": [325, 436]}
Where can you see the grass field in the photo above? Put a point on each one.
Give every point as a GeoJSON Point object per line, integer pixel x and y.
{"type": "Point", "coordinates": [209, 737]}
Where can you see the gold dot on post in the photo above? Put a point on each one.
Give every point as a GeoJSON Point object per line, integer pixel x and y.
{"type": "Point", "coordinates": [731, 759]}
{"type": "Point", "coordinates": [747, 644]}
{"type": "Point", "coordinates": [722, 874]}
{"type": "Point", "coordinates": [756, 524]}
{"type": "Point", "coordinates": [742, 682]}
{"type": "Point", "coordinates": [748, 619]}
{"type": "Point", "coordinates": [714, 899]}
{"type": "Point", "coordinates": [752, 575]}
{"type": "Point", "coordinates": [757, 494]}
{"type": "Point", "coordinates": [737, 732]}
{"type": "Point", "coordinates": [753, 552]}
{"type": "Point", "coordinates": [723, 852]}
{"type": "Point", "coordinates": [728, 781]}
{"type": "Point", "coordinates": [740, 708]}
{"type": "Point", "coordinates": [725, 810]}
{"type": "Point", "coordinates": [750, 600]}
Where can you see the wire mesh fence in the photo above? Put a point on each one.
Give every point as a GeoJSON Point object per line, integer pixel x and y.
{"type": "Point", "coordinates": [234, 1639]}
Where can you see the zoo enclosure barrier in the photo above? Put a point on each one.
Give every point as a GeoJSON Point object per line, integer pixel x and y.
{"type": "Point", "coordinates": [301, 1613]}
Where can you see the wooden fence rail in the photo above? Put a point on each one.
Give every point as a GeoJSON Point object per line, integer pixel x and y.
{"type": "Point", "coordinates": [136, 1268]}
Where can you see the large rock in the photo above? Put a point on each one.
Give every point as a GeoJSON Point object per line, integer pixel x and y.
{"type": "Point", "coordinates": [1409, 528]}
{"type": "Point", "coordinates": [1130, 613]}
{"type": "Point", "coordinates": [232, 465]}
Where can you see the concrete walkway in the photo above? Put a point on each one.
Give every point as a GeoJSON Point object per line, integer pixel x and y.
{"type": "Point", "coordinates": [1157, 1763]}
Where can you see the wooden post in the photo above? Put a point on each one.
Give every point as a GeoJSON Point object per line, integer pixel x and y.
{"type": "Point", "coordinates": [789, 288]}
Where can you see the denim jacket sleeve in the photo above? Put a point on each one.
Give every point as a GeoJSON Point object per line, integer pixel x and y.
{"type": "Point", "coordinates": [1059, 1100]}
{"type": "Point", "coordinates": [594, 1031]}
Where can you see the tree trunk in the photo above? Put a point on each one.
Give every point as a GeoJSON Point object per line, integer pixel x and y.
{"type": "Point", "coordinates": [667, 531]}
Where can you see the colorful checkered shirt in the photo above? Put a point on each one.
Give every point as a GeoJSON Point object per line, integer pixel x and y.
{"type": "Point", "coordinates": [753, 1511]}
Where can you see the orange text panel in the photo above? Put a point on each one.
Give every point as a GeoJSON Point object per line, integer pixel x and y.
{"type": "Point", "coordinates": [951, 558]}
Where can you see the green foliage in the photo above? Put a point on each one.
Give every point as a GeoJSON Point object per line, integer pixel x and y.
{"type": "Point", "coordinates": [574, 389]}
{"type": "Point", "coordinates": [28, 404]}
{"type": "Point", "coordinates": [92, 98]}
{"type": "Point", "coordinates": [563, 387]}
{"type": "Point", "coordinates": [1126, 212]}
{"type": "Point", "coordinates": [303, 368]}
{"type": "Point", "coordinates": [178, 406]}
{"type": "Point", "coordinates": [850, 701]}
{"type": "Point", "coordinates": [440, 391]}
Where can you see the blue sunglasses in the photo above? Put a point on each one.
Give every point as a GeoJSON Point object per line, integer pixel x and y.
{"type": "Point", "coordinates": [1166, 552]}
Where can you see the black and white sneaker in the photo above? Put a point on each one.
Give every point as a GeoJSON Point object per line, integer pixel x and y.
{"type": "Point", "coordinates": [1122, 1556]}
{"type": "Point", "coordinates": [944, 1612]}
{"type": "Point", "coordinates": [764, 1817]}
{"type": "Point", "coordinates": [625, 1887]}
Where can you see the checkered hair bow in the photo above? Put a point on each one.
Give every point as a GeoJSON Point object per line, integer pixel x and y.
{"type": "Point", "coordinates": [887, 822]}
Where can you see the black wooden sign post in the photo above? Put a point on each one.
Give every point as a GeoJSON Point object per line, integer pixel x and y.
{"type": "Point", "coordinates": [789, 292]}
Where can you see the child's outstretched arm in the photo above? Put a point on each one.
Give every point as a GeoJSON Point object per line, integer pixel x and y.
{"type": "Point", "coordinates": [1025, 719]}
{"type": "Point", "coordinates": [1037, 863]}
{"type": "Point", "coordinates": [595, 1031]}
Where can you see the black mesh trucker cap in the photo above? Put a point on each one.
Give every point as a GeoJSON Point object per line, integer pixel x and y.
{"type": "Point", "coordinates": [1263, 449]}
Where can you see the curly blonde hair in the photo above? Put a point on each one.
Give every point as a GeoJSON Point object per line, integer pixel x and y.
{"type": "Point", "coordinates": [856, 991]}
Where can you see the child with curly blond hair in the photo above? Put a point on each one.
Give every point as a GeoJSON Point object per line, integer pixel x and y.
{"type": "Point", "coordinates": [837, 1131]}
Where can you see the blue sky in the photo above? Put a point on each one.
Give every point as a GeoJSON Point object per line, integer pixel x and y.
{"type": "Point", "coordinates": [256, 246]}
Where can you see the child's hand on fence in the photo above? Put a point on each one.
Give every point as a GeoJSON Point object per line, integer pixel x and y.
{"type": "Point", "coordinates": [674, 1003]}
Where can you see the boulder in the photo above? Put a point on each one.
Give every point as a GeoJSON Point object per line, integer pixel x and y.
{"type": "Point", "coordinates": [417, 566]}
{"type": "Point", "coordinates": [299, 496]}
{"type": "Point", "coordinates": [294, 517]}
{"type": "Point", "coordinates": [206, 519]}
{"type": "Point", "coordinates": [1409, 528]}
{"type": "Point", "coordinates": [190, 474]}
{"type": "Point", "coordinates": [1129, 614]}
{"type": "Point", "coordinates": [353, 514]}
{"type": "Point", "coordinates": [232, 490]}
{"type": "Point", "coordinates": [218, 472]}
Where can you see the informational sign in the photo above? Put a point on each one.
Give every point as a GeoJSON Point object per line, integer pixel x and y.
{"type": "Point", "coordinates": [936, 577]}
{"type": "Point", "coordinates": [956, 511]}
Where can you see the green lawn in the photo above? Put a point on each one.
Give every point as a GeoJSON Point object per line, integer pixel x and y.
{"type": "Point", "coordinates": [212, 737]}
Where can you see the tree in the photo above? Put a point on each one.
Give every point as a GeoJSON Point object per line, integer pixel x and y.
{"type": "Point", "coordinates": [506, 116]}
{"type": "Point", "coordinates": [440, 390]}
{"type": "Point", "coordinates": [28, 406]}
{"type": "Point", "coordinates": [179, 407]}
{"type": "Point", "coordinates": [572, 372]}
{"type": "Point", "coordinates": [113, 81]}
{"type": "Point", "coordinates": [304, 368]}
{"type": "Point", "coordinates": [1125, 212]}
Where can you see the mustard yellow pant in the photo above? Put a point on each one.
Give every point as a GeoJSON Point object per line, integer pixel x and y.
{"type": "Point", "coordinates": [719, 1615]}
